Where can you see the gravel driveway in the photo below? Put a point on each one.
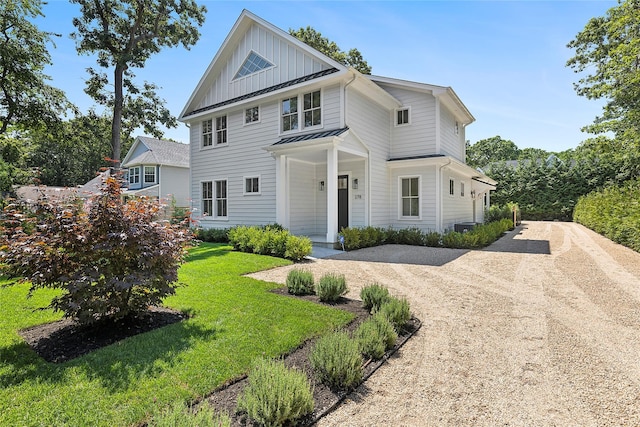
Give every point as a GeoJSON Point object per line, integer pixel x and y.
{"type": "Point", "coordinates": [542, 328]}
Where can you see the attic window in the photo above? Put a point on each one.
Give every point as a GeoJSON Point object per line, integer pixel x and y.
{"type": "Point", "coordinates": [253, 63]}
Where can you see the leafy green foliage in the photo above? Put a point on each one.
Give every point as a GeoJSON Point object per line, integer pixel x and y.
{"type": "Point", "coordinates": [212, 235]}
{"type": "Point", "coordinates": [13, 158]}
{"type": "Point", "coordinates": [386, 329]}
{"type": "Point", "coordinates": [336, 361]}
{"type": "Point", "coordinates": [26, 100]}
{"type": "Point", "coordinates": [489, 150]}
{"type": "Point", "coordinates": [276, 395]}
{"type": "Point", "coordinates": [373, 296]}
{"type": "Point", "coordinates": [331, 287]}
{"type": "Point", "coordinates": [235, 319]}
{"type": "Point", "coordinates": [613, 212]}
{"type": "Point", "coordinates": [370, 340]}
{"type": "Point", "coordinates": [269, 240]}
{"type": "Point", "coordinates": [112, 261]}
{"type": "Point", "coordinates": [352, 58]}
{"type": "Point", "coordinates": [179, 415]}
{"type": "Point", "coordinates": [397, 311]}
{"type": "Point", "coordinates": [124, 35]}
{"type": "Point", "coordinates": [300, 282]}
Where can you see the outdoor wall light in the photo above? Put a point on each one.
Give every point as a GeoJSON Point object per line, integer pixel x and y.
{"type": "Point", "coordinates": [473, 194]}
{"type": "Point", "coordinates": [321, 185]}
{"type": "Point", "coordinates": [354, 184]}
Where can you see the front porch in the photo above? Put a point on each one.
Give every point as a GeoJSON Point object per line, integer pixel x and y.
{"type": "Point", "coordinates": [308, 202]}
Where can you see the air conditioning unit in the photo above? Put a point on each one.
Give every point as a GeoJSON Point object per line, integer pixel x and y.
{"type": "Point", "coordinates": [464, 227]}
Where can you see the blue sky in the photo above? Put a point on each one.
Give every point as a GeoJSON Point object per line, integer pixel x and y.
{"type": "Point", "coordinates": [504, 59]}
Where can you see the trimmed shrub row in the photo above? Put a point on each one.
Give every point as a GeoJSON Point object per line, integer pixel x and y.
{"type": "Point", "coordinates": [613, 212]}
{"type": "Point", "coordinates": [480, 236]}
{"type": "Point", "coordinates": [269, 240]}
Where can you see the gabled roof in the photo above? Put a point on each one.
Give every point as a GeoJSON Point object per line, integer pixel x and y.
{"type": "Point", "coordinates": [446, 94]}
{"type": "Point", "coordinates": [242, 25]}
{"type": "Point", "coordinates": [158, 152]}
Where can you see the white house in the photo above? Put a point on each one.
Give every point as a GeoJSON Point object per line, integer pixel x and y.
{"type": "Point", "coordinates": [158, 168]}
{"type": "Point", "coordinates": [281, 133]}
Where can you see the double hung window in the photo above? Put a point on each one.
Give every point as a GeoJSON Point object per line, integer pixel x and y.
{"type": "Point", "coordinates": [410, 197]}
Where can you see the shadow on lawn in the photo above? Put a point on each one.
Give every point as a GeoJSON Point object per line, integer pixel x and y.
{"type": "Point", "coordinates": [116, 366]}
{"type": "Point", "coordinates": [204, 252]}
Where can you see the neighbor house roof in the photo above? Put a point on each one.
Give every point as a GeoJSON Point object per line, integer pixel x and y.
{"type": "Point", "coordinates": [159, 152]}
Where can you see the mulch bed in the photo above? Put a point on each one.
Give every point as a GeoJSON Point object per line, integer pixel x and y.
{"type": "Point", "coordinates": [225, 398]}
{"type": "Point", "coordinates": [64, 340]}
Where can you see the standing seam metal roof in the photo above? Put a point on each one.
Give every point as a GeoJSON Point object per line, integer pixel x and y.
{"type": "Point", "coordinates": [310, 136]}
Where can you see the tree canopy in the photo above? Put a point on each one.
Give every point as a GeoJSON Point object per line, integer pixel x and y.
{"type": "Point", "coordinates": [352, 58]}
{"type": "Point", "coordinates": [489, 150]}
{"type": "Point", "coordinates": [124, 34]}
{"type": "Point", "coordinates": [25, 97]}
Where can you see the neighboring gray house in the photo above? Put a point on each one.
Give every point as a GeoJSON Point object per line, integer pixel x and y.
{"type": "Point", "coordinates": [281, 133]}
{"type": "Point", "coordinates": [158, 168]}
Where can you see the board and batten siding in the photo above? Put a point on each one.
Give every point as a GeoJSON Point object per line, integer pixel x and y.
{"type": "Point", "coordinates": [455, 208]}
{"type": "Point", "coordinates": [452, 143]}
{"type": "Point", "coordinates": [428, 202]}
{"type": "Point", "coordinates": [289, 62]}
{"type": "Point", "coordinates": [371, 123]}
{"type": "Point", "coordinates": [417, 138]}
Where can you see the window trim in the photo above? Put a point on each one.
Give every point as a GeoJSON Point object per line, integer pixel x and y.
{"type": "Point", "coordinates": [206, 138]}
{"type": "Point", "coordinates": [244, 185]}
{"type": "Point", "coordinates": [300, 112]}
{"type": "Point", "coordinates": [244, 118]}
{"type": "Point", "coordinates": [395, 116]}
{"type": "Point", "coordinates": [136, 175]}
{"type": "Point", "coordinates": [216, 198]}
{"type": "Point", "coordinates": [452, 187]}
{"type": "Point", "coordinates": [401, 215]}
{"type": "Point", "coordinates": [155, 175]}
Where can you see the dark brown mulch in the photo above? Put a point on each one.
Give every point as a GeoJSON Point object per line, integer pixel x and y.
{"type": "Point", "coordinates": [64, 340]}
{"type": "Point", "coordinates": [225, 398]}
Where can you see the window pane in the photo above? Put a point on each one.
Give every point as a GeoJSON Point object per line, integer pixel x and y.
{"type": "Point", "coordinates": [316, 117]}
{"type": "Point", "coordinates": [405, 187]}
{"type": "Point", "coordinates": [414, 187]}
{"type": "Point", "coordinates": [406, 207]}
{"type": "Point", "coordinates": [316, 99]}
{"type": "Point", "coordinates": [414, 207]}
{"type": "Point", "coordinates": [307, 101]}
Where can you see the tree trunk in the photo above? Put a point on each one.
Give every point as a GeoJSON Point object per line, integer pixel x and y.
{"type": "Point", "coordinates": [116, 125]}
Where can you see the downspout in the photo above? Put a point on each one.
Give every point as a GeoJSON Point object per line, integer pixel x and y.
{"type": "Point", "coordinates": [439, 197]}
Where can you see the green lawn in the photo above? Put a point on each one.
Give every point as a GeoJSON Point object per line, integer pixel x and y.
{"type": "Point", "coordinates": [234, 320]}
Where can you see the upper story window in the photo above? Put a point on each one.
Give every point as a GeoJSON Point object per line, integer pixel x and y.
{"type": "Point", "coordinates": [310, 115]}
{"type": "Point", "coordinates": [456, 128]}
{"type": "Point", "coordinates": [410, 197]}
{"type": "Point", "coordinates": [452, 187]}
{"type": "Point", "coordinates": [134, 175]}
{"type": "Point", "coordinates": [221, 130]}
{"type": "Point", "coordinates": [462, 189]}
{"type": "Point", "coordinates": [207, 133]}
{"type": "Point", "coordinates": [402, 116]}
{"type": "Point", "coordinates": [289, 114]}
{"type": "Point", "coordinates": [150, 174]}
{"type": "Point", "coordinates": [252, 64]}
{"type": "Point", "coordinates": [252, 115]}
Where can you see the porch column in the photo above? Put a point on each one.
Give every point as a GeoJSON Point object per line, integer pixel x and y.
{"type": "Point", "coordinates": [281, 191]}
{"type": "Point", "coordinates": [332, 194]}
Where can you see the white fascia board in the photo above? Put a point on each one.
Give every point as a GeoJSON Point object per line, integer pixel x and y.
{"type": "Point", "coordinates": [131, 150]}
{"type": "Point", "coordinates": [310, 84]}
{"type": "Point", "coordinates": [445, 93]}
{"type": "Point", "coordinates": [364, 84]}
{"type": "Point", "coordinates": [447, 161]}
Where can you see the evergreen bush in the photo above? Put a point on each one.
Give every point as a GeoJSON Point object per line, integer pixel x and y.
{"type": "Point", "coordinates": [370, 340]}
{"type": "Point", "coordinates": [386, 329]}
{"type": "Point", "coordinates": [300, 282]}
{"type": "Point", "coordinates": [373, 296]}
{"type": "Point", "coordinates": [179, 415]}
{"type": "Point", "coordinates": [269, 240]}
{"type": "Point", "coordinates": [276, 395]}
{"type": "Point", "coordinates": [397, 311]}
{"type": "Point", "coordinates": [331, 287]}
{"type": "Point", "coordinates": [336, 361]}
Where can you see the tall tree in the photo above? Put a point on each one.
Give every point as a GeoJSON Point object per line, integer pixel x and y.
{"type": "Point", "coordinates": [352, 58]}
{"type": "Point", "coordinates": [124, 34]}
{"type": "Point", "coordinates": [25, 97]}
{"type": "Point", "coordinates": [490, 150]}
{"type": "Point", "coordinates": [608, 51]}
